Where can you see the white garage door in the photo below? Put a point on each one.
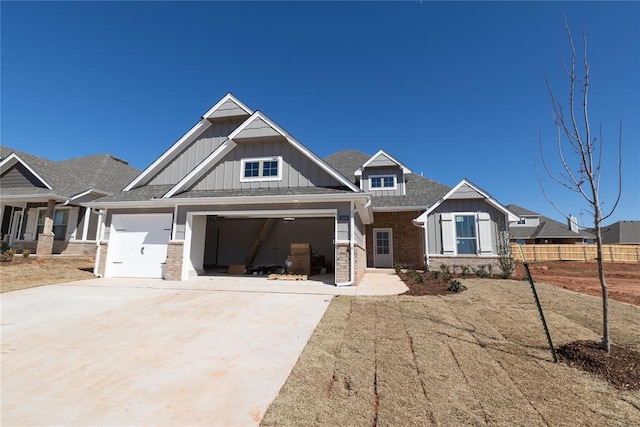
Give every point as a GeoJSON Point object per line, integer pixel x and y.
{"type": "Point", "coordinates": [138, 245]}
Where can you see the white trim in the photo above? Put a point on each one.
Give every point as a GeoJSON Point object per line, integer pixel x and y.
{"type": "Point", "coordinates": [380, 152]}
{"type": "Point", "coordinates": [455, 231]}
{"type": "Point", "coordinates": [260, 161]}
{"type": "Point", "coordinates": [383, 188]}
{"type": "Point", "coordinates": [232, 200]}
{"type": "Point", "coordinates": [12, 159]}
{"type": "Point", "coordinates": [255, 116]}
{"type": "Point", "coordinates": [227, 97]}
{"type": "Point", "coordinates": [202, 168]}
{"type": "Point", "coordinates": [164, 159]}
{"type": "Point", "coordinates": [85, 225]}
{"type": "Point", "coordinates": [299, 213]}
{"type": "Point", "coordinates": [84, 193]}
{"type": "Point", "coordinates": [487, 198]}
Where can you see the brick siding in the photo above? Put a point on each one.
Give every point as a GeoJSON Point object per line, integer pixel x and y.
{"type": "Point", "coordinates": [408, 247]}
{"type": "Point", "coordinates": [173, 268]}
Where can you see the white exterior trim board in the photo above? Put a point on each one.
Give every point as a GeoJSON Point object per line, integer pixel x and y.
{"type": "Point", "coordinates": [12, 159]}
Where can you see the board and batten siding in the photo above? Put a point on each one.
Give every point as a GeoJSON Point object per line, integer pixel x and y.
{"type": "Point", "coordinates": [465, 206]}
{"type": "Point", "coordinates": [196, 152]}
{"type": "Point", "coordinates": [19, 176]}
{"type": "Point", "coordinates": [297, 169]}
{"type": "Point", "coordinates": [395, 171]}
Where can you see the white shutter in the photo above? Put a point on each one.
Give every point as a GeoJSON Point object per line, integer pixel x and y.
{"type": "Point", "coordinates": [32, 218]}
{"type": "Point", "coordinates": [72, 224]}
{"type": "Point", "coordinates": [448, 234]}
{"type": "Point", "coordinates": [485, 234]}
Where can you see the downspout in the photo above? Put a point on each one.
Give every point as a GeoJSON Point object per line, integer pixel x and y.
{"type": "Point", "coordinates": [426, 242]}
{"type": "Point", "coordinates": [352, 236]}
{"type": "Point", "coordinates": [96, 265]}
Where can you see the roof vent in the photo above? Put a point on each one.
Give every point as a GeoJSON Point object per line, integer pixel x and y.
{"type": "Point", "coordinates": [118, 159]}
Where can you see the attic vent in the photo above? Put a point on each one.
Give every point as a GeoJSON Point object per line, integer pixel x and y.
{"type": "Point", "coordinates": [117, 159]}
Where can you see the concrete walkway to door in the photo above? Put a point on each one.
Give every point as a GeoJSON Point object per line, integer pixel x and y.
{"type": "Point", "coordinates": [151, 352]}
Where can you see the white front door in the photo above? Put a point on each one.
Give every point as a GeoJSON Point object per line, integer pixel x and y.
{"type": "Point", "coordinates": [14, 233]}
{"type": "Point", "coordinates": [382, 248]}
{"type": "Point", "coordinates": [138, 245]}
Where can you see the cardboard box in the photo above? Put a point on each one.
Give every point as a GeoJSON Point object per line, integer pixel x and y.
{"type": "Point", "coordinates": [300, 264]}
{"type": "Point", "coordinates": [300, 249]}
{"type": "Point", "coordinates": [236, 269]}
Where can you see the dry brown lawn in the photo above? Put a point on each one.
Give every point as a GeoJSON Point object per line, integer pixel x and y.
{"type": "Point", "coordinates": [22, 273]}
{"type": "Point", "coordinates": [475, 358]}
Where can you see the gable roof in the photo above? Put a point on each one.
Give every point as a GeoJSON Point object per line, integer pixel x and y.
{"type": "Point", "coordinates": [68, 179]}
{"type": "Point", "coordinates": [386, 157]}
{"type": "Point", "coordinates": [465, 183]}
{"type": "Point", "coordinates": [547, 229]}
{"type": "Point", "coordinates": [421, 192]}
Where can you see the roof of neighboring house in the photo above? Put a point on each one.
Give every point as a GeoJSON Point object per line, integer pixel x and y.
{"type": "Point", "coordinates": [99, 172]}
{"type": "Point", "coordinates": [622, 232]}
{"type": "Point", "coordinates": [421, 192]}
{"type": "Point", "coordinates": [547, 229]}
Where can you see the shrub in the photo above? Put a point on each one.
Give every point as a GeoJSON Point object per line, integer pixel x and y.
{"type": "Point", "coordinates": [26, 253]}
{"type": "Point", "coordinates": [398, 267]}
{"type": "Point", "coordinates": [445, 273]}
{"type": "Point", "coordinates": [454, 286]}
{"type": "Point", "coordinates": [481, 272]}
{"type": "Point", "coordinates": [464, 270]}
{"type": "Point", "coordinates": [419, 278]}
{"type": "Point", "coordinates": [10, 253]}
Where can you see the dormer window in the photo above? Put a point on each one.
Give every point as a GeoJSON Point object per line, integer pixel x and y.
{"type": "Point", "coordinates": [261, 169]}
{"type": "Point", "coordinates": [383, 182]}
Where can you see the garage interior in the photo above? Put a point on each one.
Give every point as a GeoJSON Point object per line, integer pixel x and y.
{"type": "Point", "coordinates": [263, 245]}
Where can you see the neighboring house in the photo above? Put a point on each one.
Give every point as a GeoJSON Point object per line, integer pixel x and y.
{"type": "Point", "coordinates": [533, 228]}
{"type": "Point", "coordinates": [237, 189]}
{"type": "Point", "coordinates": [41, 200]}
{"type": "Point", "coordinates": [622, 233]}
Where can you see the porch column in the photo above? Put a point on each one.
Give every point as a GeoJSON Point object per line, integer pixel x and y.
{"type": "Point", "coordinates": [45, 240]}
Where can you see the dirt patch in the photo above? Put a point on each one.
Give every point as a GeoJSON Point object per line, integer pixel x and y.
{"type": "Point", "coordinates": [623, 279]}
{"type": "Point", "coordinates": [620, 367]}
{"type": "Point", "coordinates": [427, 285]}
{"type": "Point", "coordinates": [23, 273]}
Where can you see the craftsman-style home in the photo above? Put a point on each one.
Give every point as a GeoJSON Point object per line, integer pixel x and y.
{"type": "Point", "coordinates": [237, 189]}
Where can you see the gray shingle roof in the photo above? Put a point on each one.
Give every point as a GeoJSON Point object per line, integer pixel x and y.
{"type": "Point", "coordinates": [421, 192]}
{"type": "Point", "coordinates": [101, 172]}
{"type": "Point", "coordinates": [140, 194]}
{"type": "Point", "coordinates": [548, 228]}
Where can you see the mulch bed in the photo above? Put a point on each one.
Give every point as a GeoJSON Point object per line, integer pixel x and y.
{"type": "Point", "coordinates": [620, 367]}
{"type": "Point", "coordinates": [430, 285]}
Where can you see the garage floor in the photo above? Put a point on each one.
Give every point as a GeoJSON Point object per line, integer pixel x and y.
{"type": "Point", "coordinates": [140, 352]}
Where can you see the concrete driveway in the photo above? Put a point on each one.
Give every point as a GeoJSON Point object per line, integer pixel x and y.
{"type": "Point", "coordinates": [149, 352]}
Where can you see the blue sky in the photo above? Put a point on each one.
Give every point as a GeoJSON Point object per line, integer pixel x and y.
{"type": "Point", "coordinates": [452, 89]}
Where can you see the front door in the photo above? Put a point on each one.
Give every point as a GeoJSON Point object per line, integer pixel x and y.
{"type": "Point", "coordinates": [382, 248]}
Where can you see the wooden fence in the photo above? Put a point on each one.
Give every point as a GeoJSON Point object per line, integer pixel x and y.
{"type": "Point", "coordinates": [579, 252]}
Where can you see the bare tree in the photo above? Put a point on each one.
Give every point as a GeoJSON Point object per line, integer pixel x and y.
{"type": "Point", "coordinates": [580, 156]}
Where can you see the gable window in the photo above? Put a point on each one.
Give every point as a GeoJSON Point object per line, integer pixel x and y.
{"type": "Point", "coordinates": [383, 182]}
{"type": "Point", "coordinates": [522, 221]}
{"type": "Point", "coordinates": [466, 234]}
{"type": "Point", "coordinates": [261, 169]}
{"type": "Point", "coordinates": [60, 220]}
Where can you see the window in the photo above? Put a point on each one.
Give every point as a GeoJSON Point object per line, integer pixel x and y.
{"type": "Point", "coordinates": [522, 221]}
{"type": "Point", "coordinates": [262, 169]}
{"type": "Point", "coordinates": [466, 234]}
{"type": "Point", "coordinates": [383, 182]}
{"type": "Point", "coordinates": [60, 219]}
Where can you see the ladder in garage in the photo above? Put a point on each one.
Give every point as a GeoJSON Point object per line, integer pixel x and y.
{"type": "Point", "coordinates": [265, 230]}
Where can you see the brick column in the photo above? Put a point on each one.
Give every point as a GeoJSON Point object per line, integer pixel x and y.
{"type": "Point", "coordinates": [45, 240]}
{"type": "Point", "coordinates": [361, 262]}
{"type": "Point", "coordinates": [102, 262]}
{"type": "Point", "coordinates": [342, 263]}
{"type": "Point", "coordinates": [173, 268]}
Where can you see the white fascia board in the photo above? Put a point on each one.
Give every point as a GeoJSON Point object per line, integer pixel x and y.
{"type": "Point", "coordinates": [231, 200]}
{"type": "Point", "coordinates": [393, 159]}
{"type": "Point", "coordinates": [255, 116]}
{"type": "Point", "coordinates": [89, 191]}
{"type": "Point", "coordinates": [35, 197]}
{"type": "Point", "coordinates": [299, 146]}
{"type": "Point", "coordinates": [399, 209]}
{"type": "Point", "coordinates": [487, 197]}
{"type": "Point", "coordinates": [168, 155]}
{"type": "Point", "coordinates": [12, 159]}
{"type": "Point", "coordinates": [297, 213]}
{"type": "Point", "coordinates": [202, 168]}
{"type": "Point", "coordinates": [227, 97]}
